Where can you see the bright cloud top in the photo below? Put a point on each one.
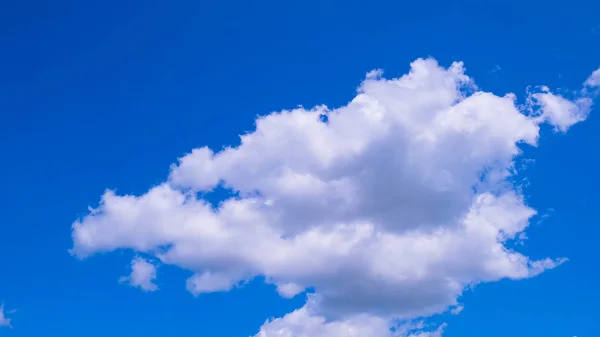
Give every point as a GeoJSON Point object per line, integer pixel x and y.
{"type": "Point", "coordinates": [388, 207]}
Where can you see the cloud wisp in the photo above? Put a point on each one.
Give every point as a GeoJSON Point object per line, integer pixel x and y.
{"type": "Point", "coordinates": [4, 320]}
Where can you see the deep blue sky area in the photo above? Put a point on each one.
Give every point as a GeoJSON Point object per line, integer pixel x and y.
{"type": "Point", "coordinates": [107, 94]}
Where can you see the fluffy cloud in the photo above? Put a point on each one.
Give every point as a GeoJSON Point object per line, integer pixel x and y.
{"type": "Point", "coordinates": [143, 274]}
{"type": "Point", "coordinates": [561, 112]}
{"type": "Point", "coordinates": [301, 323]}
{"type": "Point", "coordinates": [388, 207]}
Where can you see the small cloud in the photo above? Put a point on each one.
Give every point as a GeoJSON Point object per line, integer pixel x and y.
{"type": "Point", "coordinates": [457, 309]}
{"type": "Point", "coordinates": [545, 215]}
{"type": "Point", "coordinates": [562, 112]}
{"type": "Point", "coordinates": [594, 79]}
{"type": "Point", "coordinates": [374, 74]}
{"type": "Point", "coordinates": [143, 274]}
{"type": "Point", "coordinates": [5, 321]}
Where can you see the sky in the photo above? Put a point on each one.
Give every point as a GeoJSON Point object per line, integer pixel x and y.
{"type": "Point", "coordinates": [299, 168]}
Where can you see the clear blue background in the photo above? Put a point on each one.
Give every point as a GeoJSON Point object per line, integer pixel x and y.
{"type": "Point", "coordinates": [107, 94]}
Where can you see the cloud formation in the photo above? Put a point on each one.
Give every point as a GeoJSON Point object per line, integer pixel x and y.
{"type": "Point", "coordinates": [388, 207]}
{"type": "Point", "coordinates": [5, 321]}
{"type": "Point", "coordinates": [143, 274]}
{"type": "Point", "coordinates": [594, 79]}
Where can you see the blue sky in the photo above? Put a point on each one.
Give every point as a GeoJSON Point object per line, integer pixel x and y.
{"type": "Point", "coordinates": [107, 95]}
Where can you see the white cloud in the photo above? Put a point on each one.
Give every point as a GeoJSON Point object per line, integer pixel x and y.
{"type": "Point", "coordinates": [457, 309]}
{"type": "Point", "coordinates": [143, 274]}
{"type": "Point", "coordinates": [301, 323]}
{"type": "Point", "coordinates": [561, 112]}
{"type": "Point", "coordinates": [594, 79]}
{"type": "Point", "coordinates": [435, 333]}
{"type": "Point", "coordinates": [389, 209]}
{"type": "Point", "coordinates": [5, 321]}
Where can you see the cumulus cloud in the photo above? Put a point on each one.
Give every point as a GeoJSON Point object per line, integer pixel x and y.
{"type": "Point", "coordinates": [301, 323]}
{"type": "Point", "coordinates": [561, 112]}
{"type": "Point", "coordinates": [388, 208]}
{"type": "Point", "coordinates": [143, 274]}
